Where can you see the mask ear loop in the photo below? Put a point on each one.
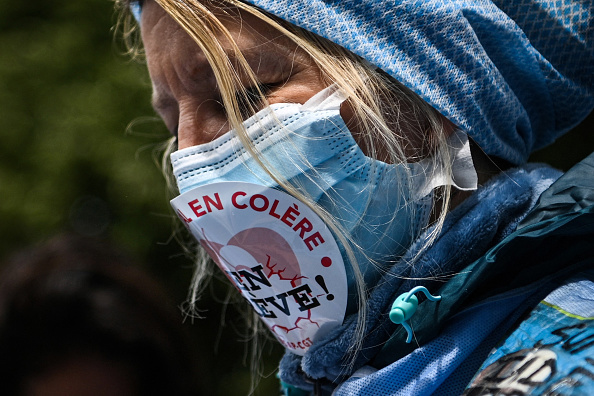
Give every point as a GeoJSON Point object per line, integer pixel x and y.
{"type": "Point", "coordinates": [463, 175]}
{"type": "Point", "coordinates": [405, 306]}
{"type": "Point", "coordinates": [329, 98]}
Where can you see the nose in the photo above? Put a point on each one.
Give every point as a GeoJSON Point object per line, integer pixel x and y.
{"type": "Point", "coordinates": [200, 123]}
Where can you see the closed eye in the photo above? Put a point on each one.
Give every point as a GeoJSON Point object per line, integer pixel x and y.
{"type": "Point", "coordinates": [251, 101]}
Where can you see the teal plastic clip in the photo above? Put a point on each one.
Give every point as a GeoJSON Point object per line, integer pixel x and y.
{"type": "Point", "coordinates": [405, 306]}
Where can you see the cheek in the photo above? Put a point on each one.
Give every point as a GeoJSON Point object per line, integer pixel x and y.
{"type": "Point", "coordinates": [374, 146]}
{"type": "Point", "coordinates": [200, 123]}
{"type": "Point", "coordinates": [348, 115]}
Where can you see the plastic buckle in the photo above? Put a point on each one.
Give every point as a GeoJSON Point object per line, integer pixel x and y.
{"type": "Point", "coordinates": [405, 306]}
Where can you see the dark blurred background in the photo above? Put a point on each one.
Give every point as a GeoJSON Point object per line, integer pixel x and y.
{"type": "Point", "coordinates": [79, 151]}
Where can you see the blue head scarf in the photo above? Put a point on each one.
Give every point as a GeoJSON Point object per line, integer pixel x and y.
{"type": "Point", "coordinates": [514, 75]}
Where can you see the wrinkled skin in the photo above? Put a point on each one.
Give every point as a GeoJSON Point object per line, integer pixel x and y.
{"type": "Point", "coordinates": [184, 89]}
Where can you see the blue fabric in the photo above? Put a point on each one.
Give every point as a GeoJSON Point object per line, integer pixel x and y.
{"type": "Point", "coordinates": [551, 249]}
{"type": "Point", "coordinates": [481, 221]}
{"type": "Point", "coordinates": [515, 75]}
{"type": "Point", "coordinates": [524, 267]}
{"type": "Point", "coordinates": [424, 371]}
{"type": "Point", "coordinates": [576, 297]}
{"type": "Point", "coordinates": [550, 352]}
{"type": "Point", "coordinates": [572, 192]}
{"type": "Point", "coordinates": [441, 367]}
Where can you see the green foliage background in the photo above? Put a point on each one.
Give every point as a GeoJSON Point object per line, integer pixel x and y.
{"type": "Point", "coordinates": [78, 147]}
{"type": "Point", "coordinates": [78, 152]}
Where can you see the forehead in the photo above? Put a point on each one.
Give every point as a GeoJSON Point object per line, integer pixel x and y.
{"type": "Point", "coordinates": [169, 46]}
{"type": "Point", "coordinates": [162, 36]}
{"type": "Point", "coordinates": [242, 27]}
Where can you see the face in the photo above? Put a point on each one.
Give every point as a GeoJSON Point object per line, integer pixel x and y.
{"type": "Point", "coordinates": [185, 92]}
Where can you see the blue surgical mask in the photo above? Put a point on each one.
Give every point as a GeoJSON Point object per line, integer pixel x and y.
{"type": "Point", "coordinates": [381, 207]}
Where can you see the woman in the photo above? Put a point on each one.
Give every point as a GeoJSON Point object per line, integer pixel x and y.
{"type": "Point", "coordinates": [377, 149]}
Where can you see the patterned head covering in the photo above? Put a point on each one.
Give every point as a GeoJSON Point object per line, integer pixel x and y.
{"type": "Point", "coordinates": [514, 75]}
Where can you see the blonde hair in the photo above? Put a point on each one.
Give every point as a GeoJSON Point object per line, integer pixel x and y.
{"type": "Point", "coordinates": [383, 107]}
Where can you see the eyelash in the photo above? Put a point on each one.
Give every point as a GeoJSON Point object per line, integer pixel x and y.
{"type": "Point", "coordinates": [246, 103]}
{"type": "Point", "coordinates": [252, 99]}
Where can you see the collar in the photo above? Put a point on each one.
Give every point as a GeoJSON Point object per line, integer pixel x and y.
{"type": "Point", "coordinates": [482, 221]}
